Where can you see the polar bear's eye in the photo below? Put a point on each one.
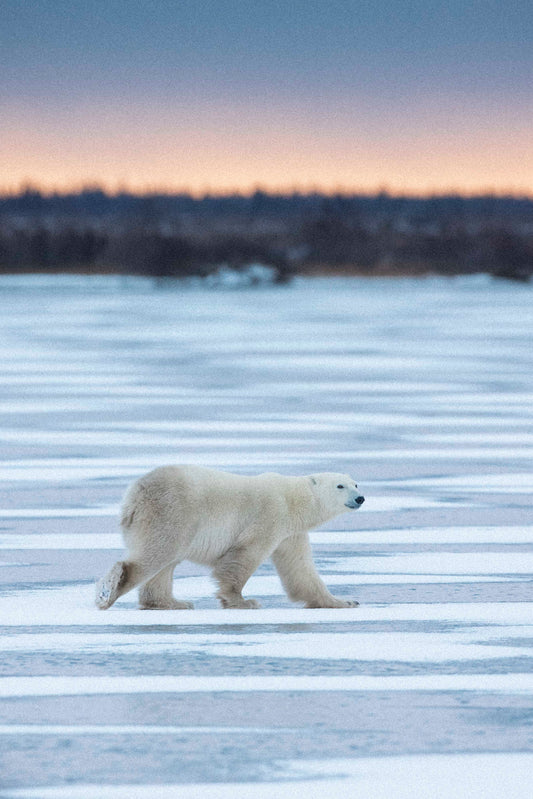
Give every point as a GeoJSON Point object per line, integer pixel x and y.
{"type": "Point", "coordinates": [340, 486]}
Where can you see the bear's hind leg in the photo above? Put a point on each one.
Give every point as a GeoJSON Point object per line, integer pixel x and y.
{"type": "Point", "coordinates": [157, 592]}
{"type": "Point", "coordinates": [231, 571]}
{"type": "Point", "coordinates": [121, 578]}
{"type": "Point", "coordinates": [114, 584]}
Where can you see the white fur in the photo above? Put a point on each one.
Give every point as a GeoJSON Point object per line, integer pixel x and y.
{"type": "Point", "coordinates": [229, 522]}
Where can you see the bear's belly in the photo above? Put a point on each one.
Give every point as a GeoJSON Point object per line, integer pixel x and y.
{"type": "Point", "coordinates": [210, 543]}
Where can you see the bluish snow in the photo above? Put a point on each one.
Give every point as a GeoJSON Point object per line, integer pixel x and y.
{"type": "Point", "coordinates": [422, 389]}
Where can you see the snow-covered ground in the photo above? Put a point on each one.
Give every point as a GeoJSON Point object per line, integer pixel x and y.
{"type": "Point", "coordinates": [422, 389]}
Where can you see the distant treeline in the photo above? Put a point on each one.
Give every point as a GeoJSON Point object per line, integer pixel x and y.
{"type": "Point", "coordinates": [181, 235]}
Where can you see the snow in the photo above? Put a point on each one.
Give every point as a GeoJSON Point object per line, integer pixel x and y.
{"type": "Point", "coordinates": [125, 729]}
{"type": "Point", "coordinates": [73, 604]}
{"type": "Point", "coordinates": [474, 644]}
{"type": "Point", "coordinates": [465, 776]}
{"type": "Point", "coordinates": [101, 686]}
{"type": "Point", "coordinates": [422, 389]}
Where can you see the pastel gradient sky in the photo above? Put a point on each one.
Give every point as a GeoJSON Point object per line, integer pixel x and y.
{"type": "Point", "coordinates": [416, 96]}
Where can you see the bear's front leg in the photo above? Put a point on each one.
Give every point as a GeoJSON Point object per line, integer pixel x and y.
{"type": "Point", "coordinates": [294, 563]}
{"type": "Point", "coordinates": [232, 571]}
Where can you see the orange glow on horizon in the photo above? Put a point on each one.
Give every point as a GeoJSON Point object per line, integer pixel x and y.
{"type": "Point", "coordinates": [222, 155]}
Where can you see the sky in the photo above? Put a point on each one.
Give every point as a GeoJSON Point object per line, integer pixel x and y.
{"type": "Point", "coordinates": [416, 97]}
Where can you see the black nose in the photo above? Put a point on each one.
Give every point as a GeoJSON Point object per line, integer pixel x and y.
{"type": "Point", "coordinates": [360, 500]}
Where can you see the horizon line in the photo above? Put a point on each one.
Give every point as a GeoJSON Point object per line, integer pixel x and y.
{"type": "Point", "coordinates": [381, 191]}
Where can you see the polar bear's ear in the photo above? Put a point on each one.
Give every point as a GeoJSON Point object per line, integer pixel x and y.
{"type": "Point", "coordinates": [313, 480]}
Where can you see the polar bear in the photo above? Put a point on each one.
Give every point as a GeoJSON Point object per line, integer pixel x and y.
{"type": "Point", "coordinates": [229, 522]}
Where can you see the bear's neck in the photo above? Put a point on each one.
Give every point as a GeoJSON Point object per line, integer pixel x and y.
{"type": "Point", "coordinates": [306, 510]}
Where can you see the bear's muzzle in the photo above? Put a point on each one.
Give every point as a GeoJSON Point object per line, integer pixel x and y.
{"type": "Point", "coordinates": [355, 503]}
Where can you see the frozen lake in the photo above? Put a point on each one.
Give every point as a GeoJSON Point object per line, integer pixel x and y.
{"type": "Point", "coordinates": [422, 389]}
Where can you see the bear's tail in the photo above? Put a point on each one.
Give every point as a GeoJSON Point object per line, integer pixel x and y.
{"type": "Point", "coordinates": [130, 503]}
{"type": "Point", "coordinates": [126, 519]}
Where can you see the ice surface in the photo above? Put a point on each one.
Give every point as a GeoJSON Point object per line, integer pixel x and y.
{"type": "Point", "coordinates": [157, 684]}
{"type": "Point", "coordinates": [431, 647]}
{"type": "Point", "coordinates": [423, 390]}
{"type": "Point", "coordinates": [466, 776]}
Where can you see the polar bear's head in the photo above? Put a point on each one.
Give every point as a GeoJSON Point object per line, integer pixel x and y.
{"type": "Point", "coordinates": [336, 492]}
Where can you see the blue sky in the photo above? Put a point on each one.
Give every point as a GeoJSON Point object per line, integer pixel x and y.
{"type": "Point", "coordinates": [415, 96]}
